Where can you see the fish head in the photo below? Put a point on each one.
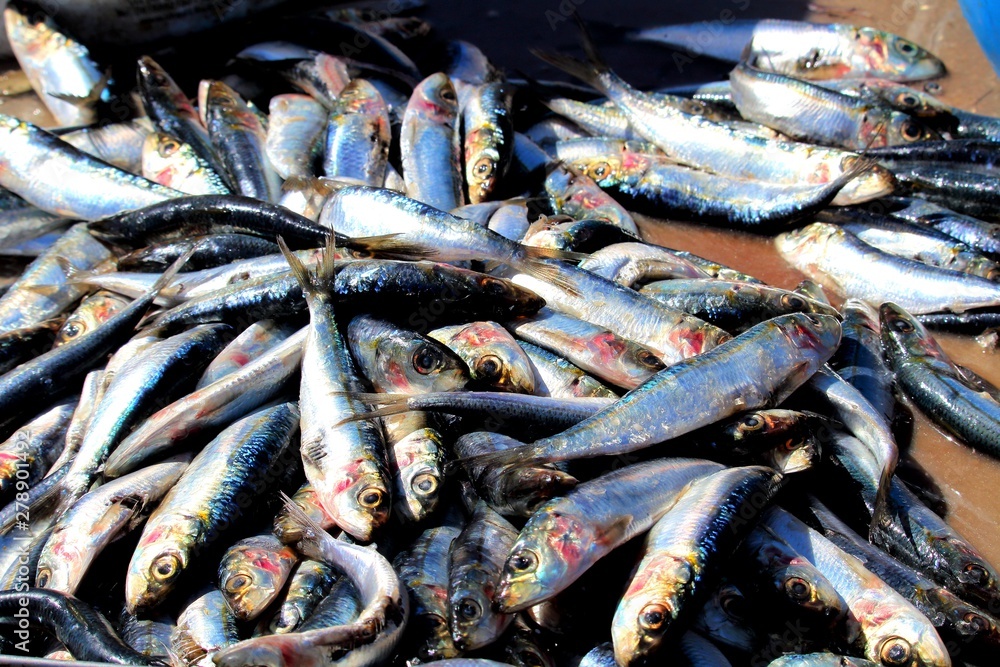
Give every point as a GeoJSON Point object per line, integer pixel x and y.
{"type": "Point", "coordinates": [419, 364]}
{"type": "Point", "coordinates": [435, 632]}
{"type": "Point", "coordinates": [494, 357]}
{"type": "Point", "coordinates": [521, 651]}
{"type": "Point", "coordinates": [902, 129]}
{"type": "Point", "coordinates": [435, 99]}
{"type": "Point", "coordinates": [783, 301]}
{"type": "Point", "coordinates": [418, 458]}
{"type": "Point", "coordinates": [725, 615]}
{"type": "Point", "coordinates": [156, 565]}
{"type": "Point", "coordinates": [650, 605]}
{"type": "Point", "coordinates": [61, 566]}
{"type": "Point", "coordinates": [552, 550]}
{"type": "Point", "coordinates": [794, 455]}
{"type": "Point", "coordinates": [167, 160]}
{"type": "Point", "coordinates": [361, 97]}
{"type": "Point", "coordinates": [871, 183]}
{"type": "Point", "coordinates": [903, 640]}
{"type": "Point", "coordinates": [897, 58]}
{"type": "Point", "coordinates": [474, 623]}
{"type": "Point", "coordinates": [975, 579]}
{"type": "Point", "coordinates": [903, 337]}
{"type": "Point", "coordinates": [359, 501]}
{"type": "Point", "coordinates": [805, 242]}
{"type": "Point", "coordinates": [92, 312]}
{"type": "Point", "coordinates": [251, 577]}
{"type": "Point", "coordinates": [804, 588]}
{"type": "Point", "coordinates": [813, 332]}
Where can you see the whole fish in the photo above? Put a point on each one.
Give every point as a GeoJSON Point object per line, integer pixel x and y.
{"type": "Point", "coordinates": [205, 627]}
{"type": "Point", "coordinates": [591, 520]}
{"type": "Point", "coordinates": [477, 556]}
{"type": "Point", "coordinates": [293, 134]}
{"type": "Point", "coordinates": [60, 69]}
{"type": "Point", "coordinates": [683, 553]}
{"type": "Point", "coordinates": [808, 50]}
{"type": "Point", "coordinates": [246, 458]}
{"type": "Point", "coordinates": [494, 358]}
{"type": "Point", "coordinates": [172, 163]}
{"type": "Point", "coordinates": [423, 567]}
{"type": "Point", "coordinates": [932, 381]}
{"type": "Point", "coordinates": [344, 461]}
{"type": "Point", "coordinates": [429, 144]}
{"type": "Point", "coordinates": [44, 290]}
{"type": "Point", "coordinates": [796, 345]}
{"type": "Point", "coordinates": [730, 305]}
{"type": "Point", "coordinates": [358, 136]}
{"type": "Point", "coordinates": [240, 138]}
{"type": "Point", "coordinates": [854, 269]}
{"type": "Point", "coordinates": [99, 517]}
{"type": "Point", "coordinates": [805, 111]}
{"type": "Point", "coordinates": [253, 573]}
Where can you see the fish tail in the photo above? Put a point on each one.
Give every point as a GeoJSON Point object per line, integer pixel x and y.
{"type": "Point", "coordinates": [880, 512]}
{"type": "Point", "coordinates": [521, 455]}
{"type": "Point", "coordinates": [554, 253]}
{"type": "Point", "coordinates": [322, 280]}
{"type": "Point", "coordinates": [168, 276]}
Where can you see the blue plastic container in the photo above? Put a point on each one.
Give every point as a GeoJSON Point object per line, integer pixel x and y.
{"type": "Point", "coordinates": [984, 17]}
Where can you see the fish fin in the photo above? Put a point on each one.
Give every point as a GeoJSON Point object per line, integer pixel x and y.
{"type": "Point", "coordinates": [168, 276]}
{"type": "Point", "coordinates": [316, 450]}
{"type": "Point", "coordinates": [302, 524]}
{"type": "Point", "coordinates": [616, 533]}
{"type": "Point", "coordinates": [881, 518]}
{"type": "Point", "coordinates": [391, 245]}
{"type": "Point", "coordinates": [372, 398]}
{"type": "Point", "coordinates": [550, 273]}
{"type": "Point", "coordinates": [389, 411]}
{"type": "Point", "coordinates": [521, 455]}
{"type": "Point", "coordinates": [571, 66]}
{"type": "Point", "coordinates": [535, 252]}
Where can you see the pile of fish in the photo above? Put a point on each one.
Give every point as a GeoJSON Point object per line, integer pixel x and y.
{"type": "Point", "coordinates": [369, 365]}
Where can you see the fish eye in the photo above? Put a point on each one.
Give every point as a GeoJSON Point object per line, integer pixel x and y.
{"type": "Point", "coordinates": [815, 321]}
{"type": "Point", "coordinates": [426, 359]}
{"type": "Point", "coordinates": [489, 366]}
{"type": "Point", "coordinates": [168, 148]}
{"type": "Point", "coordinates": [902, 326]}
{"type": "Point", "coordinates": [976, 574]}
{"type": "Point", "coordinates": [907, 100]}
{"type": "Point", "coordinates": [238, 583]}
{"type": "Point", "coordinates": [653, 616]}
{"type": "Point", "coordinates": [72, 329]}
{"type": "Point", "coordinates": [424, 484]}
{"type": "Point", "coordinates": [697, 108]}
{"type": "Point", "coordinates": [529, 658]}
{"type": "Point", "coordinates": [797, 588]}
{"type": "Point", "coordinates": [895, 651]}
{"type": "Point", "coordinates": [483, 168]}
{"type": "Point", "coordinates": [469, 610]}
{"type": "Point", "coordinates": [165, 567]}
{"type": "Point", "coordinates": [907, 48]}
{"type": "Point", "coordinates": [494, 287]}
{"type": "Point", "coordinates": [600, 170]}
{"type": "Point", "coordinates": [752, 422]}
{"type": "Point", "coordinates": [911, 131]}
{"type": "Point", "coordinates": [371, 498]}
{"type": "Point", "coordinates": [733, 603]}
{"type": "Point", "coordinates": [43, 577]}
{"type": "Point", "coordinates": [284, 622]}
{"type": "Point", "coordinates": [448, 94]}
{"type": "Point", "coordinates": [793, 301]}
{"type": "Point", "coordinates": [648, 359]}
{"type": "Point", "coordinates": [932, 87]}
{"type": "Point", "coordinates": [979, 623]}
{"type": "Point", "coordinates": [523, 560]}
